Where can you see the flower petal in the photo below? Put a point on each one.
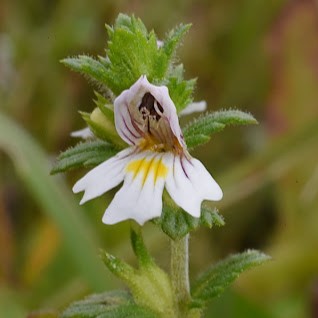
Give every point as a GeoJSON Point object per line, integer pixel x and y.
{"type": "Point", "coordinates": [140, 197]}
{"type": "Point", "coordinates": [130, 122]}
{"type": "Point", "coordinates": [104, 177]}
{"type": "Point", "coordinates": [84, 133]}
{"type": "Point", "coordinates": [123, 122]}
{"type": "Point", "coordinates": [194, 108]}
{"type": "Point", "coordinates": [190, 183]}
{"type": "Point", "coordinates": [160, 43]}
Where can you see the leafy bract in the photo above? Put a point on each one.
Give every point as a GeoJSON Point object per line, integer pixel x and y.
{"type": "Point", "coordinates": [88, 66]}
{"type": "Point", "coordinates": [199, 131]}
{"type": "Point", "coordinates": [214, 281]}
{"type": "Point", "coordinates": [181, 91]}
{"type": "Point", "coordinates": [132, 52]}
{"type": "Point", "coordinates": [115, 304]}
{"type": "Point", "coordinates": [84, 154]}
{"type": "Point", "coordinates": [150, 286]}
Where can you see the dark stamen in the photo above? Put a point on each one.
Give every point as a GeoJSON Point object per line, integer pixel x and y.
{"type": "Point", "coordinates": [147, 107]}
{"type": "Point", "coordinates": [160, 107]}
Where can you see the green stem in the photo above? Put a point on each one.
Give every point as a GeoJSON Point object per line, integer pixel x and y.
{"type": "Point", "coordinates": [180, 274]}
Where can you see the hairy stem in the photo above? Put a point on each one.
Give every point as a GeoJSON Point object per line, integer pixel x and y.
{"type": "Point", "coordinates": [180, 274]}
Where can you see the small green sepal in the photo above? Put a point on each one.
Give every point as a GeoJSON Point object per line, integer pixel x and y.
{"type": "Point", "coordinates": [105, 106]}
{"type": "Point", "coordinates": [103, 127]}
{"type": "Point", "coordinates": [177, 223]}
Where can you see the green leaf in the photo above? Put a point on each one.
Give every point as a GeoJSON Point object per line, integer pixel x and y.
{"type": "Point", "coordinates": [96, 304]}
{"type": "Point", "coordinates": [211, 217]}
{"type": "Point", "coordinates": [177, 72]}
{"type": "Point", "coordinates": [118, 267]}
{"type": "Point", "coordinates": [198, 139]}
{"type": "Point", "coordinates": [84, 154]}
{"type": "Point", "coordinates": [198, 131]}
{"type": "Point", "coordinates": [115, 304]}
{"type": "Point", "coordinates": [149, 285]}
{"type": "Point", "coordinates": [144, 258]}
{"type": "Point", "coordinates": [174, 38]}
{"type": "Point", "coordinates": [133, 52]}
{"type": "Point", "coordinates": [130, 24]}
{"type": "Point", "coordinates": [87, 66]}
{"type": "Point", "coordinates": [214, 281]}
{"type": "Point", "coordinates": [176, 223]}
{"type": "Point", "coordinates": [129, 311]}
{"type": "Point", "coordinates": [181, 91]}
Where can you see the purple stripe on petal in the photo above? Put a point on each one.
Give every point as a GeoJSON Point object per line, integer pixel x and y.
{"type": "Point", "coordinates": [129, 129]}
{"type": "Point", "coordinates": [127, 137]}
{"type": "Point", "coordinates": [183, 167]}
{"type": "Point", "coordinates": [190, 162]}
{"type": "Point", "coordinates": [138, 130]}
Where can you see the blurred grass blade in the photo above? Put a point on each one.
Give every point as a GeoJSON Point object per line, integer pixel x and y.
{"type": "Point", "coordinates": [33, 168]}
{"type": "Point", "coordinates": [10, 304]}
{"type": "Point", "coordinates": [269, 165]}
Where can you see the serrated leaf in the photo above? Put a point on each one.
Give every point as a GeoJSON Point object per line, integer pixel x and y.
{"type": "Point", "coordinates": [216, 279]}
{"type": "Point", "coordinates": [211, 217]}
{"type": "Point", "coordinates": [129, 311]}
{"type": "Point", "coordinates": [177, 72]}
{"type": "Point", "coordinates": [174, 38]}
{"type": "Point", "coordinates": [200, 130]}
{"type": "Point", "coordinates": [133, 52]}
{"type": "Point", "coordinates": [84, 154]}
{"type": "Point", "coordinates": [87, 66]}
{"type": "Point", "coordinates": [149, 285]}
{"type": "Point", "coordinates": [130, 23]}
{"type": "Point", "coordinates": [177, 223]}
{"type": "Point", "coordinates": [199, 139]}
{"type": "Point", "coordinates": [96, 304]}
{"type": "Point", "coordinates": [181, 91]}
{"type": "Point", "coordinates": [115, 304]}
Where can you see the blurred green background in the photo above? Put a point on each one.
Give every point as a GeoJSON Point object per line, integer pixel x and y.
{"type": "Point", "coordinates": [257, 55]}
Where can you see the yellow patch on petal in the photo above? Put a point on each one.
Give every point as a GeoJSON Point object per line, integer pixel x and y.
{"type": "Point", "coordinates": [146, 167]}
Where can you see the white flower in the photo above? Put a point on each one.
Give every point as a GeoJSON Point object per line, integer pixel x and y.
{"type": "Point", "coordinates": [194, 108]}
{"type": "Point", "coordinates": [157, 158]}
{"type": "Point", "coordinates": [160, 43]}
{"type": "Point", "coordinates": [84, 133]}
